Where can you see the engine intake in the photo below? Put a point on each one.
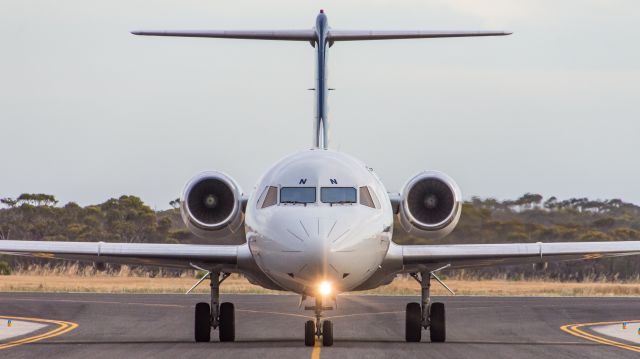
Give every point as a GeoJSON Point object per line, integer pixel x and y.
{"type": "Point", "coordinates": [211, 205]}
{"type": "Point", "coordinates": [431, 205]}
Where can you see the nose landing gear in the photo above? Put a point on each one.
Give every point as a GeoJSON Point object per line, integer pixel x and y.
{"type": "Point", "coordinates": [319, 328]}
{"type": "Point", "coordinates": [215, 315]}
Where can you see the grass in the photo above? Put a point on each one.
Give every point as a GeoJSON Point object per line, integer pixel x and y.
{"type": "Point", "coordinates": [502, 287]}
{"type": "Point", "coordinates": [86, 279]}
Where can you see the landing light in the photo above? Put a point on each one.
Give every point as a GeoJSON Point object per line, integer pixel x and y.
{"type": "Point", "coordinates": [325, 288]}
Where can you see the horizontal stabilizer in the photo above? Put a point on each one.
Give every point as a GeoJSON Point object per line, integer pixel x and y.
{"type": "Point", "coordinates": [354, 35]}
{"type": "Point", "coordinates": [291, 35]}
{"type": "Point", "coordinates": [310, 35]}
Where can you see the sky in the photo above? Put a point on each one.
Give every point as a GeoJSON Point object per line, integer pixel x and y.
{"type": "Point", "coordinates": [89, 111]}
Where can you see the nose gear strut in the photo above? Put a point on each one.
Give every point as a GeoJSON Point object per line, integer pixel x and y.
{"type": "Point", "coordinates": [319, 328]}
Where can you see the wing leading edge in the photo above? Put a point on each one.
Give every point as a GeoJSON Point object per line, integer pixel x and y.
{"type": "Point", "coordinates": [415, 257]}
{"type": "Point", "coordinates": [166, 255]}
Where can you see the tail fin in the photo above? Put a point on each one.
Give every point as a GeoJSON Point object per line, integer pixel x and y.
{"type": "Point", "coordinates": [321, 37]}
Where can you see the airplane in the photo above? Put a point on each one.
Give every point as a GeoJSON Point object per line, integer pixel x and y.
{"type": "Point", "coordinates": [319, 222]}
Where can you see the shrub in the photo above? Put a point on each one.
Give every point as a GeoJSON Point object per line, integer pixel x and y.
{"type": "Point", "coordinates": [5, 269]}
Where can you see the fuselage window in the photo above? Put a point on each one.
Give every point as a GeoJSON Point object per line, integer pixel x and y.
{"type": "Point", "coordinates": [367, 198]}
{"type": "Point", "coordinates": [298, 195]}
{"type": "Point", "coordinates": [338, 195]}
{"type": "Point", "coordinates": [271, 197]}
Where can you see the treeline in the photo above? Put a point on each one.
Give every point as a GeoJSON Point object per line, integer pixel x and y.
{"type": "Point", "coordinates": [530, 218]}
{"type": "Point", "coordinates": [126, 219]}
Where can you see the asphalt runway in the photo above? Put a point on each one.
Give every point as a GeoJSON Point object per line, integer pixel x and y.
{"type": "Point", "coordinates": [270, 326]}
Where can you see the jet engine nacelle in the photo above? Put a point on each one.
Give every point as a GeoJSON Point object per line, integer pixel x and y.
{"type": "Point", "coordinates": [431, 205]}
{"type": "Point", "coordinates": [211, 206]}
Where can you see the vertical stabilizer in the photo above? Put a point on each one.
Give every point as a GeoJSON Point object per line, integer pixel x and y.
{"type": "Point", "coordinates": [321, 37]}
{"type": "Point", "coordinates": [321, 127]}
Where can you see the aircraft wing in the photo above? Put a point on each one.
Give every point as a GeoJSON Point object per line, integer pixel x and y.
{"type": "Point", "coordinates": [353, 35]}
{"type": "Point", "coordinates": [166, 255]}
{"type": "Point", "coordinates": [429, 257]}
{"type": "Point", "coordinates": [290, 35]}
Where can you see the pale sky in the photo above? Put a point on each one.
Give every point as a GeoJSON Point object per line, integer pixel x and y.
{"type": "Point", "coordinates": [89, 112]}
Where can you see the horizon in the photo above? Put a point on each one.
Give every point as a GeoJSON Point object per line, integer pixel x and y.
{"type": "Point", "coordinates": [505, 201]}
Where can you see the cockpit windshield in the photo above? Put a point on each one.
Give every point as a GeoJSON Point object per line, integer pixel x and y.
{"type": "Point", "coordinates": [338, 195]}
{"type": "Point", "coordinates": [298, 195]}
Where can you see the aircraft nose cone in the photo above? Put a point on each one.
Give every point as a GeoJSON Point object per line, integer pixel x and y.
{"type": "Point", "coordinates": [313, 233]}
{"type": "Point", "coordinates": [317, 237]}
{"type": "Point", "coordinates": [304, 251]}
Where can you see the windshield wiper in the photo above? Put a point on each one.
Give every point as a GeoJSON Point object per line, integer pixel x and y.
{"type": "Point", "coordinates": [295, 202]}
{"type": "Point", "coordinates": [342, 202]}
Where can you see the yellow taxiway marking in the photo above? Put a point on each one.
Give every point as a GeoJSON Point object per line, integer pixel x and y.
{"type": "Point", "coordinates": [315, 353]}
{"type": "Point", "coordinates": [92, 301]}
{"type": "Point", "coordinates": [574, 329]}
{"type": "Point", "coordinates": [63, 327]}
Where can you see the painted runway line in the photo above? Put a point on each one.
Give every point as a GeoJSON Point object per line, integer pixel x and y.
{"type": "Point", "coordinates": [62, 328]}
{"type": "Point", "coordinates": [576, 329]}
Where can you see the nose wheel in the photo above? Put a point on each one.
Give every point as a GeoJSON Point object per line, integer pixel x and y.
{"type": "Point", "coordinates": [311, 331]}
{"type": "Point", "coordinates": [327, 333]}
{"type": "Point", "coordinates": [314, 330]}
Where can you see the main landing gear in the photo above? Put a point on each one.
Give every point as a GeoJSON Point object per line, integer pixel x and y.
{"type": "Point", "coordinates": [425, 315]}
{"type": "Point", "coordinates": [215, 315]}
{"type": "Point", "coordinates": [319, 328]}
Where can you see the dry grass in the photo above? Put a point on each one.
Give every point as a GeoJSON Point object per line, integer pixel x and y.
{"type": "Point", "coordinates": [502, 287]}
{"type": "Point", "coordinates": [75, 279]}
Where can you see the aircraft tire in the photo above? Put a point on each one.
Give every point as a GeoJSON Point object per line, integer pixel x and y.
{"type": "Point", "coordinates": [309, 333]}
{"type": "Point", "coordinates": [413, 322]}
{"type": "Point", "coordinates": [202, 322]}
{"type": "Point", "coordinates": [437, 330]}
{"type": "Point", "coordinates": [327, 333]}
{"type": "Point", "coordinates": [227, 325]}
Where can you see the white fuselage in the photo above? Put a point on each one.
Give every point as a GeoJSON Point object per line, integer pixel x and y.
{"type": "Point", "coordinates": [299, 245]}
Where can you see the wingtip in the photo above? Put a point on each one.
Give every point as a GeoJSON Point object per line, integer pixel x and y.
{"type": "Point", "coordinates": [136, 32]}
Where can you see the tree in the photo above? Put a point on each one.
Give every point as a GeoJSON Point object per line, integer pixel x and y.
{"type": "Point", "coordinates": [9, 202]}
{"type": "Point", "coordinates": [551, 203]}
{"type": "Point", "coordinates": [37, 199]}
{"type": "Point", "coordinates": [175, 203]}
{"type": "Point", "coordinates": [529, 200]}
{"type": "Point", "coordinates": [129, 219]}
{"type": "Point", "coordinates": [4, 233]}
